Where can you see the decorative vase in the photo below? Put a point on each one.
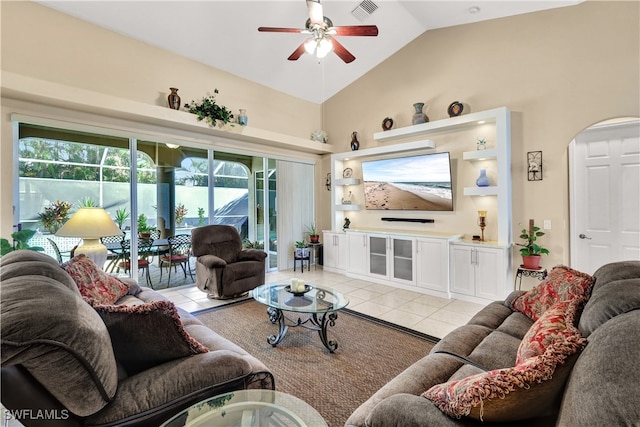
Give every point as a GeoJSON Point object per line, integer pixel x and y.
{"type": "Point", "coordinates": [419, 116]}
{"type": "Point", "coordinates": [532, 262]}
{"type": "Point", "coordinates": [242, 117]}
{"type": "Point", "coordinates": [355, 144]}
{"type": "Point", "coordinates": [174, 99]}
{"type": "Point", "coordinates": [314, 238]}
{"type": "Point", "coordinates": [483, 180]}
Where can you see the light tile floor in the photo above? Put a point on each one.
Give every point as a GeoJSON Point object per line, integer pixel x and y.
{"type": "Point", "coordinates": [424, 313]}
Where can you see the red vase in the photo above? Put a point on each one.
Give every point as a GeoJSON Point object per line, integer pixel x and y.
{"type": "Point", "coordinates": [532, 262]}
{"type": "Point", "coordinates": [314, 238]}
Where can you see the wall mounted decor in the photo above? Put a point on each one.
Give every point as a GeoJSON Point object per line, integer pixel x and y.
{"type": "Point", "coordinates": [455, 109]}
{"type": "Point", "coordinates": [174, 99]}
{"type": "Point", "coordinates": [481, 144]}
{"type": "Point", "coordinates": [327, 181]}
{"type": "Point", "coordinates": [534, 165]}
{"type": "Point", "coordinates": [347, 172]}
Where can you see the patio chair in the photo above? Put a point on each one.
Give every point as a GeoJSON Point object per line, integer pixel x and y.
{"type": "Point", "coordinates": [179, 253]}
{"type": "Point", "coordinates": [114, 246]}
{"type": "Point", "coordinates": [144, 252]}
{"type": "Point", "coordinates": [56, 249]}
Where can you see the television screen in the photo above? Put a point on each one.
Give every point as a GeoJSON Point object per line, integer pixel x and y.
{"type": "Point", "coordinates": [420, 183]}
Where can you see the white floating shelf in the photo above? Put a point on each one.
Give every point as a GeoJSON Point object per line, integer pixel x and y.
{"type": "Point", "coordinates": [488, 154]}
{"type": "Point", "coordinates": [395, 148]}
{"type": "Point", "coordinates": [348, 207]}
{"type": "Point", "coordinates": [481, 191]}
{"type": "Point", "coordinates": [347, 181]}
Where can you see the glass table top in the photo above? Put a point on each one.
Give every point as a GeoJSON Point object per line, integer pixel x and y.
{"type": "Point", "coordinates": [314, 300]}
{"type": "Point", "coordinates": [249, 408]}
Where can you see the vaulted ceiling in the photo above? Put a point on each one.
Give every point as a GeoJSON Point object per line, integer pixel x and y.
{"type": "Point", "coordinates": [223, 34]}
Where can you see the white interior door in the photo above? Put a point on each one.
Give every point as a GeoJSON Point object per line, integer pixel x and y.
{"type": "Point", "coordinates": [605, 195]}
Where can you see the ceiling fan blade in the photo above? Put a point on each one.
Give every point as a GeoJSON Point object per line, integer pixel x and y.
{"type": "Point", "coordinates": [280, 30]}
{"type": "Point", "coordinates": [341, 51]}
{"type": "Point", "coordinates": [316, 14]}
{"type": "Point", "coordinates": [354, 30]}
{"type": "Point", "coordinates": [297, 53]}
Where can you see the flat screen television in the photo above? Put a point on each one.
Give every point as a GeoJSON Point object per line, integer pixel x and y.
{"type": "Point", "coordinates": [421, 183]}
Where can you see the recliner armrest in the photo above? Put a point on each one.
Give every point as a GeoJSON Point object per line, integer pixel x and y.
{"type": "Point", "coordinates": [212, 261]}
{"type": "Point", "coordinates": [251, 255]}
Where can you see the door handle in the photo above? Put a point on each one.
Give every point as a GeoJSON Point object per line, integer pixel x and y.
{"type": "Point", "coordinates": [584, 236]}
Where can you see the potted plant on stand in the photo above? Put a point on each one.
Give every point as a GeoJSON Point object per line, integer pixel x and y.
{"type": "Point", "coordinates": [301, 249]}
{"type": "Point", "coordinates": [313, 234]}
{"type": "Point", "coordinates": [531, 251]}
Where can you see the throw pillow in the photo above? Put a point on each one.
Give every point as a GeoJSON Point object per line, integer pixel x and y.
{"type": "Point", "coordinates": [146, 335]}
{"type": "Point", "coordinates": [96, 286]}
{"type": "Point", "coordinates": [556, 325]}
{"type": "Point", "coordinates": [529, 389]}
{"type": "Point", "coordinates": [562, 284]}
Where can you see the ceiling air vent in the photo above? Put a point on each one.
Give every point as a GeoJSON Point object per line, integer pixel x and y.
{"type": "Point", "coordinates": [364, 9]}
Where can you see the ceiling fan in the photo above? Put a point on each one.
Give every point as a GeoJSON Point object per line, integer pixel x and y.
{"type": "Point", "coordinates": [322, 32]}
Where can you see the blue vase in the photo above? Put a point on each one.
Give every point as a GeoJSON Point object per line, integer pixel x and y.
{"type": "Point", "coordinates": [483, 180]}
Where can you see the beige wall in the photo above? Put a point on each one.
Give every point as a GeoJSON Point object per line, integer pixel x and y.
{"type": "Point", "coordinates": [558, 71]}
{"type": "Point", "coordinates": [44, 44]}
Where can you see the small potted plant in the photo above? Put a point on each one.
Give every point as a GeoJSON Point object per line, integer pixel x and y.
{"type": "Point", "coordinates": [55, 215]}
{"type": "Point", "coordinates": [144, 230]}
{"type": "Point", "coordinates": [531, 251]}
{"type": "Point", "coordinates": [313, 234]}
{"type": "Point", "coordinates": [301, 249]}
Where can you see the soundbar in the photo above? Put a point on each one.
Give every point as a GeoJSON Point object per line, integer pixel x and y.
{"type": "Point", "coordinates": [422, 220]}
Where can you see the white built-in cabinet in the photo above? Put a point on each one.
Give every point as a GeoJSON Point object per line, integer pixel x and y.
{"type": "Point", "coordinates": [432, 265]}
{"type": "Point", "coordinates": [357, 243]}
{"type": "Point", "coordinates": [440, 265]}
{"type": "Point", "coordinates": [336, 251]}
{"type": "Point", "coordinates": [478, 271]}
{"type": "Point", "coordinates": [391, 258]}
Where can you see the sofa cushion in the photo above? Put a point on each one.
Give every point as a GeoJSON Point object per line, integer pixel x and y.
{"type": "Point", "coordinates": [528, 389]}
{"type": "Point", "coordinates": [96, 286]}
{"type": "Point", "coordinates": [562, 284]}
{"type": "Point", "coordinates": [607, 301]}
{"type": "Point", "coordinates": [146, 335]}
{"type": "Point", "coordinates": [602, 389]}
{"type": "Point", "coordinates": [48, 328]}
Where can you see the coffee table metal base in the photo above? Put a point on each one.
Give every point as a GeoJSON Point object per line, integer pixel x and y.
{"type": "Point", "coordinates": [315, 322]}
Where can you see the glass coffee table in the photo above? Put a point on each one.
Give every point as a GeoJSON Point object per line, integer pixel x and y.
{"type": "Point", "coordinates": [320, 305]}
{"type": "Point", "coordinates": [246, 408]}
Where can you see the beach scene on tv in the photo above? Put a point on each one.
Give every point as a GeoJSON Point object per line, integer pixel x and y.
{"type": "Point", "coordinates": [408, 183]}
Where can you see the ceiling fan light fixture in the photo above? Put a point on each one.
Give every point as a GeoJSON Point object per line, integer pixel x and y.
{"type": "Point", "coordinates": [310, 46]}
{"type": "Point", "coordinates": [324, 47]}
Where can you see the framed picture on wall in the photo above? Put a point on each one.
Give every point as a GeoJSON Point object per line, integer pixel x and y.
{"type": "Point", "coordinates": [534, 165]}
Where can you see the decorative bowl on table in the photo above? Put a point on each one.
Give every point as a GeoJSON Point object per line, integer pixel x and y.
{"type": "Point", "coordinates": [296, 293]}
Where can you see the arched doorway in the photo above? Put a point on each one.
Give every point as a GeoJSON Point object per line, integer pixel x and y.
{"type": "Point", "coordinates": [604, 188]}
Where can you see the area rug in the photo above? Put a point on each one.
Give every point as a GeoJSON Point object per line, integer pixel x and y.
{"type": "Point", "coordinates": [369, 354]}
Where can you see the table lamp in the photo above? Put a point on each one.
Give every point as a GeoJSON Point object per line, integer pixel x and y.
{"type": "Point", "coordinates": [90, 224]}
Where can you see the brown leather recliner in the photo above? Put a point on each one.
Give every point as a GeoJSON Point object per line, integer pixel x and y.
{"type": "Point", "coordinates": [223, 268]}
